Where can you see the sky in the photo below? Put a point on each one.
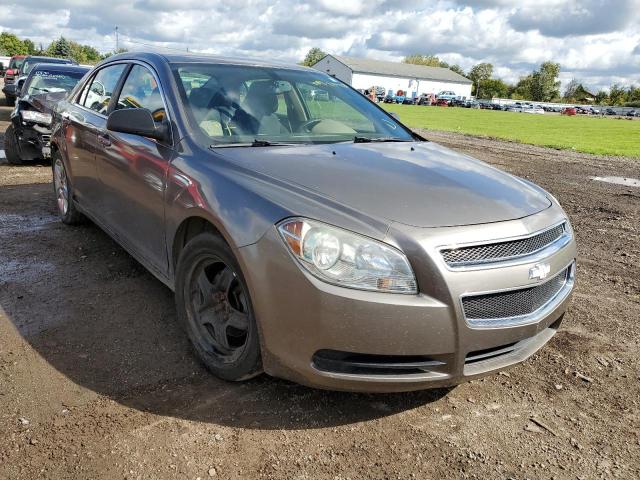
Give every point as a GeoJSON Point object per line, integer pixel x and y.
{"type": "Point", "coordinates": [595, 41]}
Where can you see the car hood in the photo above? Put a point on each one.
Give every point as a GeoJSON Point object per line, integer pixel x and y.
{"type": "Point", "coordinates": [415, 183]}
{"type": "Point", "coordinates": [46, 102]}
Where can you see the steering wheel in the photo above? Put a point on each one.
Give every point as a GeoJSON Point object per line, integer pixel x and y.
{"type": "Point", "coordinates": [308, 125]}
{"type": "Point", "coordinates": [101, 93]}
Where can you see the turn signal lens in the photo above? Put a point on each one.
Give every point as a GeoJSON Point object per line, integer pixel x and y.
{"type": "Point", "coordinates": [347, 259]}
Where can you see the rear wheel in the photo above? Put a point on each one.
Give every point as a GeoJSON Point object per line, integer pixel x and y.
{"type": "Point", "coordinates": [214, 306]}
{"type": "Point", "coordinates": [11, 146]}
{"type": "Point", "coordinates": [67, 210]}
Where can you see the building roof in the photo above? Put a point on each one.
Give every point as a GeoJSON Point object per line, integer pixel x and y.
{"type": "Point", "coordinates": [397, 69]}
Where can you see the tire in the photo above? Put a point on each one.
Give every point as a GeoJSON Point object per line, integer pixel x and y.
{"type": "Point", "coordinates": [215, 309]}
{"type": "Point", "coordinates": [11, 101]}
{"type": "Point", "coordinates": [11, 146]}
{"type": "Point", "coordinates": [67, 209]}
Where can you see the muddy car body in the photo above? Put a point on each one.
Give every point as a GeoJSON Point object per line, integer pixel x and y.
{"type": "Point", "coordinates": [338, 250]}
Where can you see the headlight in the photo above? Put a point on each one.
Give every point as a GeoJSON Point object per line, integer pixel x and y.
{"type": "Point", "coordinates": [344, 258]}
{"type": "Point", "coordinates": [38, 117]}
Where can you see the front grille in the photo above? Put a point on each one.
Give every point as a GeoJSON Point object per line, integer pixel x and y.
{"type": "Point", "coordinates": [495, 252]}
{"type": "Point", "coordinates": [513, 303]}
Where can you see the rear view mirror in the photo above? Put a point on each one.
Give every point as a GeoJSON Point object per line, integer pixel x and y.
{"type": "Point", "coordinates": [136, 121]}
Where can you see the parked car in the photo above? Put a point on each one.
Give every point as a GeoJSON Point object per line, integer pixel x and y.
{"type": "Point", "coordinates": [27, 137]}
{"type": "Point", "coordinates": [12, 90]}
{"type": "Point", "coordinates": [442, 102]}
{"type": "Point", "coordinates": [610, 111]}
{"type": "Point", "coordinates": [534, 109]}
{"type": "Point", "coordinates": [583, 109]}
{"type": "Point", "coordinates": [633, 113]}
{"type": "Point", "coordinates": [410, 100]}
{"type": "Point", "coordinates": [339, 253]}
{"type": "Point", "coordinates": [390, 97]}
{"type": "Point", "coordinates": [426, 99]}
{"type": "Point", "coordinates": [446, 95]}
{"type": "Point", "coordinates": [10, 75]}
{"type": "Point", "coordinates": [568, 111]}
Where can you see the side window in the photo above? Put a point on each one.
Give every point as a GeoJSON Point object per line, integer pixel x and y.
{"type": "Point", "coordinates": [140, 90]}
{"type": "Point", "coordinates": [101, 87]}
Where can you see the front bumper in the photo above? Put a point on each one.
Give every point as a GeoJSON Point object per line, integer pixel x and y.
{"type": "Point", "coordinates": [323, 336]}
{"type": "Point", "coordinates": [34, 140]}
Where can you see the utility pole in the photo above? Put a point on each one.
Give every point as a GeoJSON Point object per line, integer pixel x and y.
{"type": "Point", "coordinates": [117, 39]}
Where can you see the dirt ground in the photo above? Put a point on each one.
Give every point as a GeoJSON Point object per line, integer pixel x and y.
{"type": "Point", "coordinates": [97, 381]}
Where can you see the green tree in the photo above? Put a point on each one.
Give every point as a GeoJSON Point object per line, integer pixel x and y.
{"type": "Point", "coordinates": [545, 85]}
{"type": "Point", "coordinates": [522, 90]}
{"type": "Point", "coordinates": [570, 90]}
{"type": "Point", "coordinates": [427, 60]}
{"type": "Point", "coordinates": [11, 45]}
{"type": "Point", "coordinates": [60, 48]}
{"type": "Point", "coordinates": [479, 73]}
{"type": "Point", "coordinates": [494, 87]}
{"type": "Point", "coordinates": [313, 56]}
{"type": "Point", "coordinates": [602, 98]}
{"type": "Point", "coordinates": [457, 69]}
{"type": "Point", "coordinates": [30, 46]}
{"type": "Point", "coordinates": [617, 95]}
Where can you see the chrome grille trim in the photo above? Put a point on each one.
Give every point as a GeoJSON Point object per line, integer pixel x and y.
{"type": "Point", "coordinates": [518, 306]}
{"type": "Point", "coordinates": [516, 249]}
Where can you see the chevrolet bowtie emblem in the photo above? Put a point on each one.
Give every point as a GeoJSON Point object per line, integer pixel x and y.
{"type": "Point", "coordinates": [539, 271]}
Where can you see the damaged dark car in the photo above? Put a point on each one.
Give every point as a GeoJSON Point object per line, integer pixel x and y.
{"type": "Point", "coordinates": [27, 137]}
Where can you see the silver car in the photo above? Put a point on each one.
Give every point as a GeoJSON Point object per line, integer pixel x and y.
{"type": "Point", "coordinates": [317, 241]}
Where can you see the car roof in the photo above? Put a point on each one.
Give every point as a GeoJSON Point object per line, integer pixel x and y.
{"type": "Point", "coordinates": [203, 58]}
{"type": "Point", "coordinates": [61, 67]}
{"type": "Point", "coordinates": [49, 59]}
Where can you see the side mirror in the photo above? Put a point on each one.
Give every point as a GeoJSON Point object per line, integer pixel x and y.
{"type": "Point", "coordinates": [395, 115]}
{"type": "Point", "coordinates": [136, 121]}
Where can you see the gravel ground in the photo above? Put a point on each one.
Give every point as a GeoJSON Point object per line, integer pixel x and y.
{"type": "Point", "coordinates": [96, 380]}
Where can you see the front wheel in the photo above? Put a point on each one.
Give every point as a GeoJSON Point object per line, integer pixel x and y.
{"type": "Point", "coordinates": [67, 210]}
{"type": "Point", "coordinates": [214, 306]}
{"type": "Point", "coordinates": [11, 146]}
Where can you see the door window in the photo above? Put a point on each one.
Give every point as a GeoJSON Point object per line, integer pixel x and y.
{"type": "Point", "coordinates": [141, 90]}
{"type": "Point", "coordinates": [100, 89]}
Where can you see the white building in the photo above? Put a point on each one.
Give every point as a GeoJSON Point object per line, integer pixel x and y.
{"type": "Point", "coordinates": [364, 73]}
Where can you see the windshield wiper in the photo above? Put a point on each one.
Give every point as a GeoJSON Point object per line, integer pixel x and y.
{"type": "Point", "coordinates": [379, 139]}
{"type": "Point", "coordinates": [256, 143]}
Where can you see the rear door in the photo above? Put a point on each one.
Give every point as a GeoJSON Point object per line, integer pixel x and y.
{"type": "Point", "coordinates": [133, 171]}
{"type": "Point", "coordinates": [82, 121]}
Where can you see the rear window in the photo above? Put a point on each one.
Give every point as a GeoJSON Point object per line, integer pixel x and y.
{"type": "Point", "coordinates": [16, 62]}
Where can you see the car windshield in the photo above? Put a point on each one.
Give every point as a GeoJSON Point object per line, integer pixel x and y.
{"type": "Point", "coordinates": [47, 81]}
{"type": "Point", "coordinates": [233, 104]}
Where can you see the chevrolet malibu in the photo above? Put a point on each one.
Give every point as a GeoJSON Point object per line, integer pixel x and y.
{"type": "Point", "coordinates": [319, 241]}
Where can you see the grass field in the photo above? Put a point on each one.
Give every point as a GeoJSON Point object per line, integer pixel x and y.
{"type": "Point", "coordinates": [604, 136]}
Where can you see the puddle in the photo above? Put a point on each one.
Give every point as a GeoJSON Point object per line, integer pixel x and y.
{"type": "Point", "coordinates": [11, 223]}
{"type": "Point", "coordinates": [627, 182]}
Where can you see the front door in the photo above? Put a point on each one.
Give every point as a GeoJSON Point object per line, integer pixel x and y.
{"type": "Point", "coordinates": [81, 122]}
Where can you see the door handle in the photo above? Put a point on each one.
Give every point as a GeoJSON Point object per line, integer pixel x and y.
{"type": "Point", "coordinates": [104, 140]}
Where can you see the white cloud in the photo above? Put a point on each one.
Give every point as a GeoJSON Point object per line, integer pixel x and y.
{"type": "Point", "coordinates": [591, 39]}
